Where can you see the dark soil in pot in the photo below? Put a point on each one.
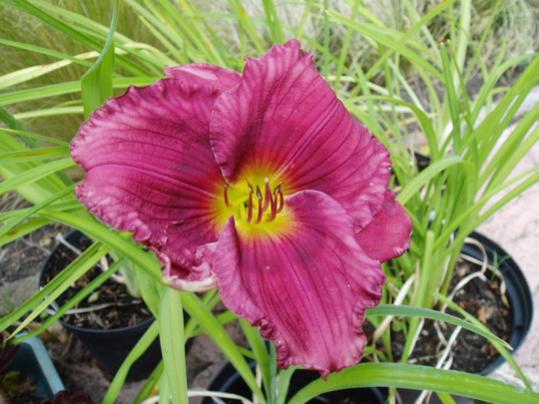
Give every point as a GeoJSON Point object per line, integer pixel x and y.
{"type": "Point", "coordinates": [109, 321]}
{"type": "Point", "coordinates": [228, 380]}
{"type": "Point", "coordinates": [110, 306]}
{"type": "Point", "coordinates": [499, 297]}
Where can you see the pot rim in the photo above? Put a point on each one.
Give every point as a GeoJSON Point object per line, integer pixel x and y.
{"type": "Point", "coordinates": [143, 325]}
{"type": "Point", "coordinates": [227, 375]}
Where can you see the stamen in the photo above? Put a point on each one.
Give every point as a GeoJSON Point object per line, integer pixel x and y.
{"type": "Point", "coordinates": [268, 197]}
{"type": "Point", "coordinates": [266, 207]}
{"type": "Point", "coordinates": [273, 207]}
{"type": "Point", "coordinates": [227, 201]}
{"type": "Point", "coordinates": [250, 207]}
{"type": "Point", "coordinates": [279, 197]}
{"type": "Point", "coordinates": [260, 202]}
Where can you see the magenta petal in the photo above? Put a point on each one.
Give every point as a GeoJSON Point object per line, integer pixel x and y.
{"type": "Point", "coordinates": [202, 73]}
{"type": "Point", "coordinates": [307, 289]}
{"type": "Point", "coordinates": [285, 117]}
{"type": "Point", "coordinates": [150, 170]}
{"type": "Point", "coordinates": [388, 235]}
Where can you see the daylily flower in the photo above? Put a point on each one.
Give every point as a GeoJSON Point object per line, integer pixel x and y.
{"type": "Point", "coordinates": [262, 184]}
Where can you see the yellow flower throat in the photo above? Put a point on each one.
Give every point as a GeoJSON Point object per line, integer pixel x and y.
{"type": "Point", "coordinates": [255, 204]}
{"type": "Point", "coordinates": [258, 207]}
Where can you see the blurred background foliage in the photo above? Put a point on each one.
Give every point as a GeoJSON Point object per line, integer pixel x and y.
{"type": "Point", "coordinates": [497, 28]}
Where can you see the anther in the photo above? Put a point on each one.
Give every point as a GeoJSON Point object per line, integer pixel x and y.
{"type": "Point", "coordinates": [227, 201]}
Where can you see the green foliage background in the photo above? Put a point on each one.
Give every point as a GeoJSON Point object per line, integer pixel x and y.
{"type": "Point", "coordinates": [446, 78]}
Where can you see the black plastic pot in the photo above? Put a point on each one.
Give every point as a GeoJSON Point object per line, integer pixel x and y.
{"type": "Point", "coordinates": [229, 380]}
{"type": "Point", "coordinates": [520, 298]}
{"type": "Point", "coordinates": [110, 347]}
{"type": "Point", "coordinates": [32, 360]}
{"type": "Point", "coordinates": [518, 292]}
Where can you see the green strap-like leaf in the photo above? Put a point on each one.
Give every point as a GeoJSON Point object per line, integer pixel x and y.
{"type": "Point", "coordinates": [262, 357]}
{"type": "Point", "coordinates": [209, 323]}
{"type": "Point", "coordinates": [138, 350]}
{"type": "Point", "coordinates": [98, 231]}
{"type": "Point", "coordinates": [35, 174]}
{"type": "Point", "coordinates": [9, 225]}
{"type": "Point", "coordinates": [172, 344]}
{"type": "Point", "coordinates": [96, 84]}
{"type": "Point", "coordinates": [425, 176]}
{"type": "Point", "coordinates": [418, 378]}
{"type": "Point", "coordinates": [66, 87]}
{"type": "Point", "coordinates": [9, 120]}
{"type": "Point", "coordinates": [82, 264]}
{"type": "Point", "coordinates": [149, 385]}
{"type": "Point", "coordinates": [410, 311]}
{"type": "Point", "coordinates": [507, 356]}
{"type": "Point", "coordinates": [72, 302]}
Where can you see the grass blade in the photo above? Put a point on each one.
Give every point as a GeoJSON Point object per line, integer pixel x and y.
{"type": "Point", "coordinates": [22, 230]}
{"type": "Point", "coordinates": [199, 312]}
{"type": "Point", "coordinates": [172, 344]}
{"type": "Point", "coordinates": [387, 41]}
{"type": "Point", "coordinates": [418, 378]}
{"type": "Point", "coordinates": [501, 349]}
{"type": "Point", "coordinates": [96, 84]}
{"type": "Point", "coordinates": [118, 243]}
{"type": "Point", "coordinates": [68, 87]}
{"type": "Point", "coordinates": [149, 385]}
{"type": "Point", "coordinates": [256, 342]}
{"type": "Point", "coordinates": [76, 269]}
{"type": "Point", "coordinates": [9, 120]}
{"type": "Point", "coordinates": [425, 176]}
{"type": "Point", "coordinates": [385, 310]}
{"type": "Point", "coordinates": [9, 225]}
{"type": "Point", "coordinates": [93, 285]}
{"type": "Point", "coordinates": [35, 174]}
{"type": "Point", "coordinates": [138, 350]}
{"type": "Point", "coordinates": [273, 22]}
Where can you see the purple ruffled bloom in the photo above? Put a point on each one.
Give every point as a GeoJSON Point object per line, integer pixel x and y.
{"type": "Point", "coordinates": [261, 184]}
